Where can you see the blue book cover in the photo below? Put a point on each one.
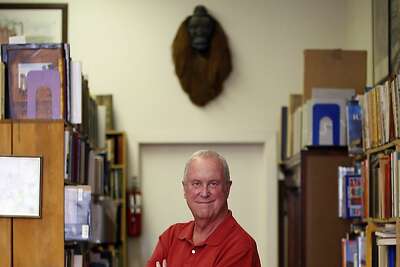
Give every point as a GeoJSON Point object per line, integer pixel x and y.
{"type": "Point", "coordinates": [391, 256]}
{"type": "Point", "coordinates": [354, 127]}
{"type": "Point", "coordinates": [326, 124]}
{"type": "Point", "coordinates": [354, 196]}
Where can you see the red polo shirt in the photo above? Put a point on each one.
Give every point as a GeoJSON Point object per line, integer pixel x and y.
{"type": "Point", "coordinates": [228, 246]}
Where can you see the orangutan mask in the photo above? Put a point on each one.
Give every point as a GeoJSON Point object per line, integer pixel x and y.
{"type": "Point", "coordinates": [201, 56]}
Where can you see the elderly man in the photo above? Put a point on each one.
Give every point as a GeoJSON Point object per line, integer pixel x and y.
{"type": "Point", "coordinates": [214, 238]}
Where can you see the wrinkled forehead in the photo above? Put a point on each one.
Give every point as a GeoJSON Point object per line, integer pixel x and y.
{"type": "Point", "coordinates": [206, 164]}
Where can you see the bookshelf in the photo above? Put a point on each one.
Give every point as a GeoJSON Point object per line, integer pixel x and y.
{"type": "Point", "coordinates": [116, 150]}
{"type": "Point", "coordinates": [24, 240]}
{"type": "Point", "coordinates": [310, 229]}
{"type": "Point", "coordinates": [67, 137]}
{"type": "Point", "coordinates": [376, 204]}
{"type": "Point", "coordinates": [371, 228]}
{"type": "Point", "coordinates": [379, 163]}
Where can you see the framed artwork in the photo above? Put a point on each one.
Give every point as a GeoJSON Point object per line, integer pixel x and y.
{"type": "Point", "coordinates": [380, 40]}
{"type": "Point", "coordinates": [20, 185]}
{"type": "Point", "coordinates": [39, 23]}
{"type": "Point", "coordinates": [394, 36]}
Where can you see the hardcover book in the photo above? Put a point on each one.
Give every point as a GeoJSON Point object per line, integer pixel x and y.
{"type": "Point", "coordinates": [354, 127]}
{"type": "Point", "coordinates": [354, 196]}
{"type": "Point", "coordinates": [76, 92]}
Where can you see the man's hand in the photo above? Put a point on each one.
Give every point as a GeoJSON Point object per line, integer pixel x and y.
{"type": "Point", "coordinates": [164, 263]}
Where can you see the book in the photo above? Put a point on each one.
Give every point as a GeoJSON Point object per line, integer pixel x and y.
{"type": "Point", "coordinates": [391, 256]}
{"type": "Point", "coordinates": [361, 241]}
{"type": "Point", "coordinates": [386, 241]}
{"type": "Point", "coordinates": [343, 172]}
{"type": "Point", "coordinates": [382, 256]}
{"type": "Point", "coordinates": [104, 220]}
{"type": "Point", "coordinates": [283, 133]}
{"type": "Point", "coordinates": [354, 196]}
{"type": "Point", "coordinates": [354, 127]}
{"type": "Point", "coordinates": [350, 256]}
{"type": "Point", "coordinates": [20, 59]}
{"type": "Point", "coordinates": [107, 101]}
{"type": "Point", "coordinates": [101, 126]}
{"type": "Point", "coordinates": [77, 201]}
{"type": "Point", "coordinates": [76, 92]}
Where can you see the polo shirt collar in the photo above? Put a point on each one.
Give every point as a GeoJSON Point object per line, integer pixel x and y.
{"type": "Point", "coordinates": [216, 237]}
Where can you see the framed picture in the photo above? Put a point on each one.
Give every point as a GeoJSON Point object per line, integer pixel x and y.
{"type": "Point", "coordinates": [39, 23]}
{"type": "Point", "coordinates": [380, 40]}
{"type": "Point", "coordinates": [20, 185]}
{"type": "Point", "coordinates": [394, 36]}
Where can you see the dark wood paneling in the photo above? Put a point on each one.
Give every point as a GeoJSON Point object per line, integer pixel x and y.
{"type": "Point", "coordinates": [323, 228]}
{"type": "Point", "coordinates": [312, 230]}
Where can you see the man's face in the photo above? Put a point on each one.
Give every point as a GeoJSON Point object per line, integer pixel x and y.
{"type": "Point", "coordinates": [206, 191]}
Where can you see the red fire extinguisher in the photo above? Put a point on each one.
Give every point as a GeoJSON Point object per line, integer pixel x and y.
{"type": "Point", "coordinates": [134, 213]}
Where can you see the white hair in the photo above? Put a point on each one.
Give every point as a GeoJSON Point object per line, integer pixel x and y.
{"type": "Point", "coordinates": [208, 154]}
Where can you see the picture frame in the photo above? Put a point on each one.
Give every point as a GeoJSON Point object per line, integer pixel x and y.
{"type": "Point", "coordinates": [394, 36]}
{"type": "Point", "coordinates": [380, 40]}
{"type": "Point", "coordinates": [21, 184]}
{"type": "Point", "coordinates": [39, 23]}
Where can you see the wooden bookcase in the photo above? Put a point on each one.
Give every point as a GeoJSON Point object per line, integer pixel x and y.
{"type": "Point", "coordinates": [118, 162]}
{"type": "Point", "coordinates": [310, 229]}
{"type": "Point", "coordinates": [374, 223]}
{"type": "Point", "coordinates": [372, 227]}
{"type": "Point", "coordinates": [40, 242]}
{"type": "Point", "coordinates": [36, 242]}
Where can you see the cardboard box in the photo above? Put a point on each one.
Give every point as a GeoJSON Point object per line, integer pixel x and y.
{"type": "Point", "coordinates": [334, 68]}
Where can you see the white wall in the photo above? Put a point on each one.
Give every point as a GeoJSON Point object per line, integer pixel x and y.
{"type": "Point", "coordinates": [125, 49]}
{"type": "Point", "coordinates": [359, 29]}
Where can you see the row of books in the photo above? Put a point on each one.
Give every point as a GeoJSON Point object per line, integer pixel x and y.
{"type": "Point", "coordinates": [76, 256]}
{"type": "Point", "coordinates": [329, 117]}
{"type": "Point", "coordinates": [324, 70]}
{"type": "Point", "coordinates": [84, 165]}
{"type": "Point", "coordinates": [102, 178]}
{"type": "Point", "coordinates": [41, 81]}
{"type": "Point", "coordinates": [90, 218]}
{"type": "Point", "coordinates": [381, 113]}
{"type": "Point", "coordinates": [381, 185]}
{"type": "Point", "coordinates": [371, 188]}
